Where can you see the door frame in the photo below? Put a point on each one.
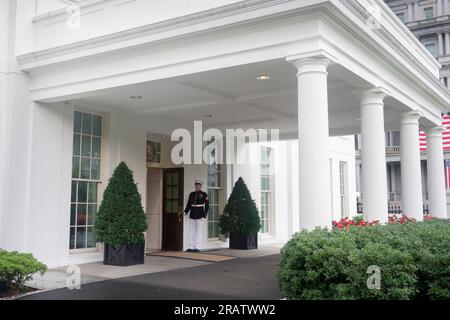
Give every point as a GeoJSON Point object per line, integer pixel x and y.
{"type": "Point", "coordinates": [181, 235]}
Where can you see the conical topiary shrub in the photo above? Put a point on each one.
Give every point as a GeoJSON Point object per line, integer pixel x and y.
{"type": "Point", "coordinates": [240, 218]}
{"type": "Point", "coordinates": [121, 220]}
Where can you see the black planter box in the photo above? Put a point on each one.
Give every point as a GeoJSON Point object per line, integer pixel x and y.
{"type": "Point", "coordinates": [123, 255]}
{"type": "Point", "coordinates": [243, 241]}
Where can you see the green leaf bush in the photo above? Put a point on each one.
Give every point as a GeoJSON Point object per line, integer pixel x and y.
{"type": "Point", "coordinates": [17, 268]}
{"type": "Point", "coordinates": [414, 260]}
{"type": "Point", "coordinates": [121, 218]}
{"type": "Point", "coordinates": [240, 214]}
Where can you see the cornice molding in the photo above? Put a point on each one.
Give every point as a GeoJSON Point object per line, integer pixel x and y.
{"type": "Point", "coordinates": [398, 47]}
{"type": "Point", "coordinates": [150, 29]}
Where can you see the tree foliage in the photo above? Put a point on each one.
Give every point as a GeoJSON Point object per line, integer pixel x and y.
{"type": "Point", "coordinates": [121, 218]}
{"type": "Point", "coordinates": [240, 214]}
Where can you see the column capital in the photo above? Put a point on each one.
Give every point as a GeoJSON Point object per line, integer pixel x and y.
{"type": "Point", "coordinates": [312, 62]}
{"type": "Point", "coordinates": [411, 117]}
{"type": "Point", "coordinates": [434, 132]}
{"type": "Point", "coordinates": [373, 96]}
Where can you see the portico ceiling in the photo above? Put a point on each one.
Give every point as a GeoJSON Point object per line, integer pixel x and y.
{"type": "Point", "coordinates": [234, 97]}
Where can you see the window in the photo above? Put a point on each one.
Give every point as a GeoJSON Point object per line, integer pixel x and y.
{"type": "Point", "coordinates": [343, 187]}
{"type": "Point", "coordinates": [214, 184]}
{"type": "Point", "coordinates": [266, 187]}
{"type": "Point", "coordinates": [447, 173]}
{"type": "Point", "coordinates": [393, 138]}
{"type": "Point", "coordinates": [87, 142]}
{"type": "Point", "coordinates": [428, 13]}
{"type": "Point", "coordinates": [431, 47]}
{"type": "Point", "coordinates": [401, 16]}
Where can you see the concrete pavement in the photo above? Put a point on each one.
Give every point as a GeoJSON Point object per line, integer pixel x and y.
{"type": "Point", "coordinates": [242, 278]}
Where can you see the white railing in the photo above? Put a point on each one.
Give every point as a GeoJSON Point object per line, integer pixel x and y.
{"type": "Point", "coordinates": [392, 150]}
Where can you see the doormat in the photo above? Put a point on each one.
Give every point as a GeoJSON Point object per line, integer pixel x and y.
{"type": "Point", "coordinates": [191, 256]}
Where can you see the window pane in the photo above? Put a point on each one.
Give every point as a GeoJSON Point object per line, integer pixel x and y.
{"type": "Point", "coordinates": [81, 238]}
{"type": "Point", "coordinates": [92, 192]}
{"type": "Point", "coordinates": [169, 179]}
{"type": "Point", "coordinates": [401, 16]}
{"type": "Point", "coordinates": [97, 126]}
{"type": "Point", "coordinates": [92, 214]}
{"type": "Point", "coordinates": [168, 205]}
{"type": "Point", "coordinates": [90, 237]}
{"type": "Point", "coordinates": [73, 212]}
{"type": "Point", "coordinates": [76, 144]}
{"type": "Point", "coordinates": [82, 192]}
{"type": "Point", "coordinates": [95, 169]}
{"type": "Point", "coordinates": [85, 168]}
{"type": "Point", "coordinates": [213, 196]}
{"type": "Point", "coordinates": [74, 192]}
{"type": "Point", "coordinates": [96, 147]}
{"type": "Point", "coordinates": [86, 146]}
{"type": "Point", "coordinates": [169, 192]}
{"type": "Point", "coordinates": [87, 123]}
{"type": "Point", "coordinates": [211, 229]}
{"type": "Point", "coordinates": [174, 206]}
{"type": "Point", "coordinates": [265, 183]}
{"type": "Point", "coordinates": [175, 193]}
{"type": "Point", "coordinates": [81, 215]}
{"type": "Point", "coordinates": [76, 167]}
{"type": "Point", "coordinates": [72, 238]}
{"type": "Point", "coordinates": [431, 49]}
{"type": "Point", "coordinates": [77, 122]}
{"type": "Point", "coordinates": [175, 179]}
{"type": "Point", "coordinates": [264, 198]}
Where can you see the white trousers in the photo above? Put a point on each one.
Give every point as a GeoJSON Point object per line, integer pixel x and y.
{"type": "Point", "coordinates": [196, 227]}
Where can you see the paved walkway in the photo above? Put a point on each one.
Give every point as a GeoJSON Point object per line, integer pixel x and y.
{"type": "Point", "coordinates": [242, 278]}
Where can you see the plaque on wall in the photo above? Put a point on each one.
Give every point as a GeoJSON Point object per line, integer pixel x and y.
{"type": "Point", "coordinates": [153, 152]}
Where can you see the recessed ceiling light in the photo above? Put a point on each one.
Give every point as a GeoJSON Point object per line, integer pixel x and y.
{"type": "Point", "coordinates": [136, 97]}
{"type": "Point", "coordinates": [263, 77]}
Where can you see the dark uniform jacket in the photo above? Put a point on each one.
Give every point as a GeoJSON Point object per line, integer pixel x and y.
{"type": "Point", "coordinates": [197, 205]}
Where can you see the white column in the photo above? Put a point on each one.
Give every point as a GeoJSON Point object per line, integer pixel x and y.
{"type": "Point", "coordinates": [446, 7]}
{"type": "Point", "coordinates": [439, 8]}
{"type": "Point", "coordinates": [411, 177]}
{"type": "Point", "coordinates": [313, 136]}
{"type": "Point", "coordinates": [374, 175]}
{"type": "Point", "coordinates": [447, 43]}
{"type": "Point", "coordinates": [417, 13]}
{"type": "Point", "coordinates": [435, 171]}
{"type": "Point", "coordinates": [410, 12]}
{"type": "Point", "coordinates": [440, 45]}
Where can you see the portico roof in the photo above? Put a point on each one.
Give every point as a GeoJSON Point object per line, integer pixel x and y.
{"type": "Point", "coordinates": [198, 57]}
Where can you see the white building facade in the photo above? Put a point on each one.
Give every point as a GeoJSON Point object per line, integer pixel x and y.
{"type": "Point", "coordinates": [87, 86]}
{"type": "Point", "coordinates": [429, 21]}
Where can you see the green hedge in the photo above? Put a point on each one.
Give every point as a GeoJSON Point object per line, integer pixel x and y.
{"type": "Point", "coordinates": [17, 268]}
{"type": "Point", "coordinates": [414, 261]}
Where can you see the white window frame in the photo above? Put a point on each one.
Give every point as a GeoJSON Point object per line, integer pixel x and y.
{"type": "Point", "coordinates": [267, 220]}
{"type": "Point", "coordinates": [401, 15]}
{"type": "Point", "coordinates": [343, 188]}
{"type": "Point", "coordinates": [97, 181]}
{"type": "Point", "coordinates": [425, 9]}
{"type": "Point", "coordinates": [429, 43]}
{"type": "Point", "coordinates": [219, 173]}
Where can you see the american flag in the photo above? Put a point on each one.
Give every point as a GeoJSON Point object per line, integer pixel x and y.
{"type": "Point", "coordinates": [445, 135]}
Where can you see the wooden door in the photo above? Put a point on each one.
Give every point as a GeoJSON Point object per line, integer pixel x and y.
{"type": "Point", "coordinates": [172, 236]}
